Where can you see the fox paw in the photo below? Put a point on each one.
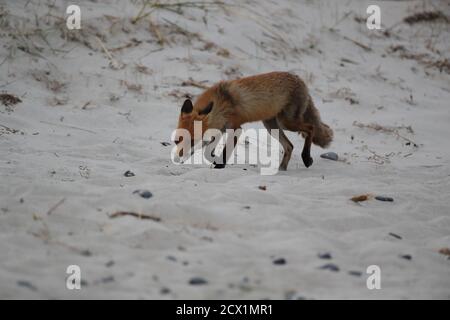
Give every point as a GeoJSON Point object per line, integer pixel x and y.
{"type": "Point", "coordinates": [218, 166]}
{"type": "Point", "coordinates": [307, 160]}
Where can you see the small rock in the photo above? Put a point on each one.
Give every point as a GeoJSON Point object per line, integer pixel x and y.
{"type": "Point", "coordinates": [128, 173]}
{"type": "Point", "coordinates": [383, 198]}
{"type": "Point", "coordinates": [26, 284]}
{"type": "Point", "coordinates": [110, 263]}
{"type": "Point", "coordinates": [355, 273]}
{"type": "Point", "coordinates": [279, 261]}
{"type": "Point", "coordinates": [264, 188]}
{"type": "Point", "coordinates": [330, 156]}
{"type": "Point", "coordinates": [86, 253]}
{"type": "Point", "coordinates": [196, 281]}
{"type": "Point", "coordinates": [165, 144]}
{"type": "Point", "coordinates": [164, 290]}
{"type": "Point", "coordinates": [144, 193]}
{"type": "Point", "coordinates": [406, 256]}
{"type": "Point", "coordinates": [330, 266]}
{"type": "Point", "coordinates": [325, 256]}
{"type": "Point", "coordinates": [171, 258]}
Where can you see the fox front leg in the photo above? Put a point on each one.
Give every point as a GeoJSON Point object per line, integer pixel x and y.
{"type": "Point", "coordinates": [225, 154]}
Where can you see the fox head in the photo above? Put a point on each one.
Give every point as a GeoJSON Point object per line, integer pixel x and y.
{"type": "Point", "coordinates": [188, 116]}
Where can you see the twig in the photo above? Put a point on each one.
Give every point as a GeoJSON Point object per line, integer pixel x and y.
{"type": "Point", "coordinates": [67, 126]}
{"type": "Point", "coordinates": [393, 131]}
{"type": "Point", "coordinates": [368, 49]}
{"type": "Point", "coordinates": [134, 214]}
{"type": "Point", "coordinates": [193, 83]}
{"type": "Point", "coordinates": [113, 62]}
{"type": "Point", "coordinates": [60, 202]}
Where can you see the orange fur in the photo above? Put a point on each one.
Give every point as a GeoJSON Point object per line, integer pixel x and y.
{"type": "Point", "coordinates": [277, 95]}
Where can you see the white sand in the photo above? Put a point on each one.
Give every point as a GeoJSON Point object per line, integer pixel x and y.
{"type": "Point", "coordinates": [206, 229]}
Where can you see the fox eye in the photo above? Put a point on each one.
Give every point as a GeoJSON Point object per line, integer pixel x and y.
{"type": "Point", "coordinates": [207, 109]}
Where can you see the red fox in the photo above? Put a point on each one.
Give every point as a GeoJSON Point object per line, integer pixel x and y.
{"type": "Point", "coordinates": [279, 99]}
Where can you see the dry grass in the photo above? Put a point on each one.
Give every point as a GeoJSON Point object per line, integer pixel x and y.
{"type": "Point", "coordinates": [149, 6]}
{"type": "Point", "coordinates": [443, 64]}
{"type": "Point", "coordinates": [389, 130]}
{"type": "Point", "coordinates": [9, 100]}
{"type": "Point", "coordinates": [362, 197]}
{"type": "Point", "coordinates": [426, 16]}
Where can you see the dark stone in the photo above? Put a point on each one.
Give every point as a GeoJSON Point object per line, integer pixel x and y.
{"type": "Point", "coordinates": [406, 256]}
{"type": "Point", "coordinates": [355, 273]}
{"type": "Point", "coordinates": [26, 284]}
{"type": "Point", "coordinates": [144, 193]}
{"type": "Point", "coordinates": [330, 156]}
{"type": "Point", "coordinates": [330, 266]}
{"type": "Point", "coordinates": [165, 290]}
{"type": "Point", "coordinates": [86, 253]}
{"type": "Point", "coordinates": [325, 256]}
{"type": "Point", "coordinates": [165, 144]}
{"type": "Point", "coordinates": [128, 173]}
{"type": "Point", "coordinates": [383, 198]}
{"type": "Point", "coordinates": [110, 263]}
{"type": "Point", "coordinates": [197, 281]}
{"type": "Point", "coordinates": [279, 261]}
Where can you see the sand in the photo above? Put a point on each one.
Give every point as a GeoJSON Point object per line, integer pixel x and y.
{"type": "Point", "coordinates": [83, 123]}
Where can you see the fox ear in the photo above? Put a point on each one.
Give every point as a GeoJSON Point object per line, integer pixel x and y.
{"type": "Point", "coordinates": [207, 109]}
{"type": "Point", "coordinates": [187, 106]}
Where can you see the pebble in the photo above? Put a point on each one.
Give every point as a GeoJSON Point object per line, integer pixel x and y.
{"type": "Point", "coordinates": [330, 156]}
{"type": "Point", "coordinates": [383, 198]}
{"type": "Point", "coordinates": [355, 273]}
{"type": "Point", "coordinates": [26, 284]}
{"type": "Point", "coordinates": [143, 193]}
{"type": "Point", "coordinates": [279, 261]}
{"type": "Point", "coordinates": [165, 144]}
{"type": "Point", "coordinates": [171, 258]}
{"type": "Point", "coordinates": [110, 263]}
{"type": "Point", "coordinates": [406, 256]}
{"type": "Point", "coordinates": [86, 253]}
{"type": "Point", "coordinates": [165, 290]}
{"type": "Point", "coordinates": [196, 281]}
{"type": "Point", "coordinates": [325, 256]}
{"type": "Point", "coordinates": [128, 173]}
{"type": "Point", "coordinates": [330, 266]}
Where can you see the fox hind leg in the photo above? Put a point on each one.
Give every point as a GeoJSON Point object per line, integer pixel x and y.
{"type": "Point", "coordinates": [308, 130]}
{"type": "Point", "coordinates": [284, 141]}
